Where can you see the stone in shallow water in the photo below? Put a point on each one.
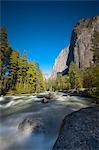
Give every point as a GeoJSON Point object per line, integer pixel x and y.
{"type": "Point", "coordinates": [50, 96]}
{"type": "Point", "coordinates": [44, 100]}
{"type": "Point", "coordinates": [79, 131]}
{"type": "Point", "coordinates": [31, 125]}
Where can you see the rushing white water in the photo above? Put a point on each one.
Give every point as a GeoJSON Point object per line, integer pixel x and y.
{"type": "Point", "coordinates": [14, 109]}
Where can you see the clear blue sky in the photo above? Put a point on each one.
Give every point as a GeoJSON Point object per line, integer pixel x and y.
{"type": "Point", "coordinates": [43, 28]}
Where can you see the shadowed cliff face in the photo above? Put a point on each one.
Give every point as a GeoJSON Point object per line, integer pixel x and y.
{"type": "Point", "coordinates": [79, 50]}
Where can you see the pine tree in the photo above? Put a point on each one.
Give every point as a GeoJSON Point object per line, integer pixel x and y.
{"type": "Point", "coordinates": [39, 79]}
{"type": "Point", "coordinates": [5, 51]}
{"type": "Point", "coordinates": [59, 82]}
{"type": "Point", "coordinates": [13, 68]}
{"type": "Point", "coordinates": [31, 77]}
{"type": "Point", "coordinates": [75, 77]}
{"type": "Point", "coordinates": [17, 75]}
{"type": "Point", "coordinates": [95, 47]}
{"type": "Point", "coordinates": [22, 74]}
{"type": "Point", "coordinates": [95, 67]}
{"type": "Point", "coordinates": [66, 82]}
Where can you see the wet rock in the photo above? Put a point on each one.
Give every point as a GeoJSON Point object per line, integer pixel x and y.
{"type": "Point", "coordinates": [50, 96]}
{"type": "Point", "coordinates": [44, 100]}
{"type": "Point", "coordinates": [31, 125]}
{"type": "Point", "coordinates": [79, 131]}
{"type": "Point", "coordinates": [47, 97]}
{"type": "Point", "coordinates": [80, 92]}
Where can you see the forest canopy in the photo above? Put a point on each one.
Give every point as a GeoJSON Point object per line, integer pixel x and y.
{"type": "Point", "coordinates": [17, 75]}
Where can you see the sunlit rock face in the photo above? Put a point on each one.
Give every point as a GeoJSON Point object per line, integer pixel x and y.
{"type": "Point", "coordinates": [81, 42]}
{"type": "Point", "coordinates": [60, 62]}
{"type": "Point", "coordinates": [80, 49]}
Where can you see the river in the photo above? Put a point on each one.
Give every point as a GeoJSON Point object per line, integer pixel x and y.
{"type": "Point", "coordinates": [14, 109]}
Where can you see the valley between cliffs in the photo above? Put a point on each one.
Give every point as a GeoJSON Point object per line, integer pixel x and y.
{"type": "Point", "coordinates": [66, 118]}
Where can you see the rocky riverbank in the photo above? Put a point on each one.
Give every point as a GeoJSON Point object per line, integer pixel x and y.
{"type": "Point", "coordinates": [84, 92]}
{"type": "Point", "coordinates": [79, 130]}
{"type": "Point", "coordinates": [28, 123]}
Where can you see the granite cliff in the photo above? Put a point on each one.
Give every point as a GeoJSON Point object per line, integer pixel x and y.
{"type": "Point", "coordinates": [60, 62]}
{"type": "Point", "coordinates": [79, 50]}
{"type": "Point", "coordinates": [79, 131]}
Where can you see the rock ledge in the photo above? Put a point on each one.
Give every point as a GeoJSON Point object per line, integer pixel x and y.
{"type": "Point", "coordinates": [79, 131]}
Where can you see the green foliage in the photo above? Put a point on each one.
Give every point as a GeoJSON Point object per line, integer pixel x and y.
{"type": "Point", "coordinates": [13, 68]}
{"type": "Point", "coordinates": [88, 78]}
{"type": "Point", "coordinates": [75, 76]}
{"type": "Point", "coordinates": [40, 86]}
{"type": "Point", "coordinates": [94, 70]}
{"type": "Point", "coordinates": [95, 47]}
{"type": "Point", "coordinates": [29, 77]}
{"type": "Point", "coordinates": [66, 83]}
{"type": "Point", "coordinates": [5, 51]}
{"type": "Point", "coordinates": [61, 83]}
{"type": "Point", "coordinates": [91, 80]}
{"type": "Point", "coordinates": [17, 74]}
{"type": "Point", "coordinates": [50, 84]}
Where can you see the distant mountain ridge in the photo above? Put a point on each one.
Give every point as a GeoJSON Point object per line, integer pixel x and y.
{"type": "Point", "coordinates": [79, 50]}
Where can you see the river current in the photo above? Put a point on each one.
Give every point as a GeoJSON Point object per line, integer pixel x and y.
{"type": "Point", "coordinates": [14, 109]}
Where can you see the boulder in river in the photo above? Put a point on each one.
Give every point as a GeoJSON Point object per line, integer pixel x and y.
{"type": "Point", "coordinates": [47, 97]}
{"type": "Point", "coordinates": [50, 96]}
{"type": "Point", "coordinates": [45, 100]}
{"type": "Point", "coordinates": [31, 125]}
{"type": "Point", "coordinates": [79, 131]}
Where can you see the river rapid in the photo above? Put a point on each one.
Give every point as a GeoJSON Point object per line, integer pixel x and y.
{"type": "Point", "coordinates": [13, 110]}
